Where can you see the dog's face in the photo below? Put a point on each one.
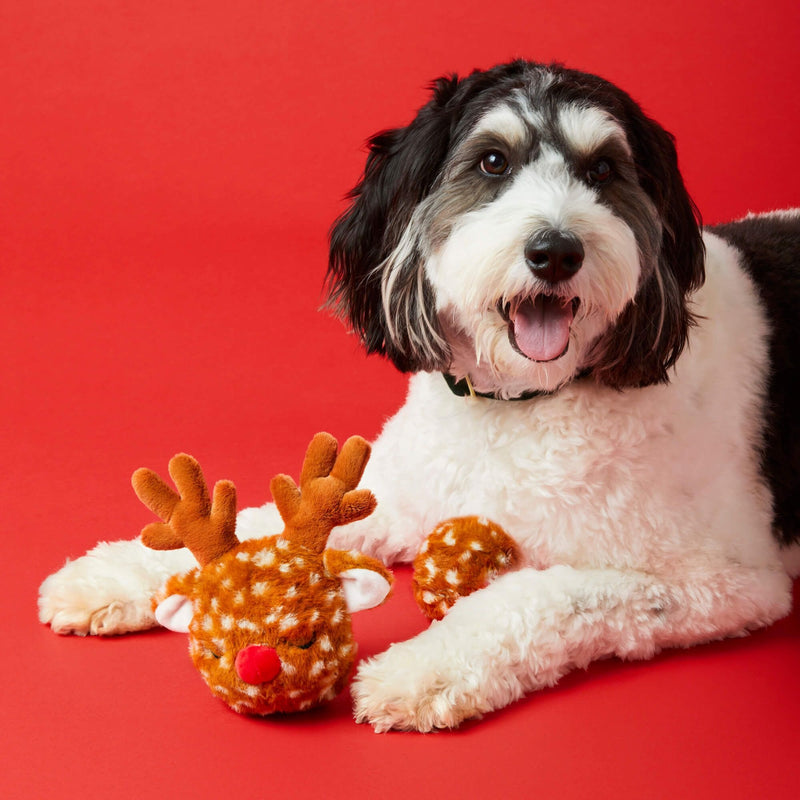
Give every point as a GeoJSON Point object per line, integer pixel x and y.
{"type": "Point", "coordinates": [528, 226]}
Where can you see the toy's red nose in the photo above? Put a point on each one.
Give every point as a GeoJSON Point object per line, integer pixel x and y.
{"type": "Point", "coordinates": [257, 664]}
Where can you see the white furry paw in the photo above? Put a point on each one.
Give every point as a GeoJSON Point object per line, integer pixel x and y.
{"type": "Point", "coordinates": [413, 687]}
{"type": "Point", "coordinates": [391, 542]}
{"type": "Point", "coordinates": [109, 590]}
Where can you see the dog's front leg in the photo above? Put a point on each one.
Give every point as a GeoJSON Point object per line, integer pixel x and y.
{"type": "Point", "coordinates": [110, 590]}
{"type": "Point", "coordinates": [528, 628]}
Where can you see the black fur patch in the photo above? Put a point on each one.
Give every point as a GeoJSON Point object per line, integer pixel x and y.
{"type": "Point", "coordinates": [770, 247]}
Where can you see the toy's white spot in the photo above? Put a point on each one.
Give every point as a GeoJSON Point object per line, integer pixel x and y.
{"type": "Point", "coordinates": [264, 558]}
{"type": "Point", "coordinates": [316, 668]}
{"type": "Point", "coordinates": [452, 577]}
{"type": "Point", "coordinates": [273, 617]}
{"type": "Point", "coordinates": [289, 621]}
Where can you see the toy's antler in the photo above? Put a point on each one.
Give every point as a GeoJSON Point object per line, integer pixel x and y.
{"type": "Point", "coordinates": [191, 520]}
{"type": "Point", "coordinates": [327, 495]}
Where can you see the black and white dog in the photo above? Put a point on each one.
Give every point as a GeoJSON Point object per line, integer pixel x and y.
{"type": "Point", "coordinates": [614, 386]}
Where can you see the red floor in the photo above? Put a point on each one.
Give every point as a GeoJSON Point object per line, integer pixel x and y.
{"type": "Point", "coordinates": [168, 174]}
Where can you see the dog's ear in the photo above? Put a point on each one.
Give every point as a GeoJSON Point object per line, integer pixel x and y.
{"type": "Point", "coordinates": [652, 331]}
{"type": "Point", "coordinates": [401, 168]}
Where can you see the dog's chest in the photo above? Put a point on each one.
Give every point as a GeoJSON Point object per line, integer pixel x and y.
{"type": "Point", "coordinates": [566, 475]}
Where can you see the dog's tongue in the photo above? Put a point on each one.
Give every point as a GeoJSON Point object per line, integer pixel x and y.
{"type": "Point", "coordinates": [541, 327]}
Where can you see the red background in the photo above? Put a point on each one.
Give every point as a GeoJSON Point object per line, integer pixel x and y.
{"type": "Point", "coordinates": [168, 175]}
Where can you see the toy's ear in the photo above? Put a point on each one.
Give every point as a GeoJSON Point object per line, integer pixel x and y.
{"type": "Point", "coordinates": [175, 613]}
{"type": "Point", "coordinates": [365, 581]}
{"type": "Point", "coordinates": [363, 589]}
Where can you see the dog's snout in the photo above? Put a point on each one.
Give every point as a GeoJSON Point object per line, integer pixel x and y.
{"type": "Point", "coordinates": [554, 256]}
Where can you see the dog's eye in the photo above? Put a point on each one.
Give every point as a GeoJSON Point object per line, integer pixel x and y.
{"type": "Point", "coordinates": [494, 163]}
{"type": "Point", "coordinates": [600, 173]}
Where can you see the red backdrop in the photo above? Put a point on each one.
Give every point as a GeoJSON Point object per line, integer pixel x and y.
{"type": "Point", "coordinates": [168, 175]}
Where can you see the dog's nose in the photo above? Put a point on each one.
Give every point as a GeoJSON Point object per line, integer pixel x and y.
{"type": "Point", "coordinates": [554, 256]}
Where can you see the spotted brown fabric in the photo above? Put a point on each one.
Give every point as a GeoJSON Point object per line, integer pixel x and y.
{"type": "Point", "coordinates": [459, 556]}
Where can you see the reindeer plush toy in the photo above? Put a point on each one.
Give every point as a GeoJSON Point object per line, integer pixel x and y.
{"type": "Point", "coordinates": [268, 619]}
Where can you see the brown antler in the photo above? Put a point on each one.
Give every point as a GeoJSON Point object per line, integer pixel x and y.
{"type": "Point", "coordinates": [327, 496]}
{"type": "Point", "coordinates": [206, 527]}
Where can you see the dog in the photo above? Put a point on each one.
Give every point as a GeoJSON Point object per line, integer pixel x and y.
{"type": "Point", "coordinates": [592, 370]}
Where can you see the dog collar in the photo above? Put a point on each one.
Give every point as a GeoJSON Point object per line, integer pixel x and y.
{"type": "Point", "coordinates": [464, 388]}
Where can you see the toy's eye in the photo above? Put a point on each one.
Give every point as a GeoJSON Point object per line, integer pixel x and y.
{"type": "Point", "coordinates": [306, 645]}
{"type": "Point", "coordinates": [494, 163]}
{"type": "Point", "coordinates": [600, 172]}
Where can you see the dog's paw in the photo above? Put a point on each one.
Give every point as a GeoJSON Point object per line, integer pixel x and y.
{"type": "Point", "coordinates": [73, 603]}
{"type": "Point", "coordinates": [391, 544]}
{"type": "Point", "coordinates": [413, 687]}
{"type": "Point", "coordinates": [108, 591]}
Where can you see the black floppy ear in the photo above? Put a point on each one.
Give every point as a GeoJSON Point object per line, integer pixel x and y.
{"type": "Point", "coordinates": [652, 331]}
{"type": "Point", "coordinates": [401, 168]}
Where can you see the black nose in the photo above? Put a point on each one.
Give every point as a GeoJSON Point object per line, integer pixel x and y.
{"type": "Point", "coordinates": [554, 256]}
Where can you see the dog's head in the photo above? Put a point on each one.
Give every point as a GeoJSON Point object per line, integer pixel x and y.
{"type": "Point", "coordinates": [529, 225]}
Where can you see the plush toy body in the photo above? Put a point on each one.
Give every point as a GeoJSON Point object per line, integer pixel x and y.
{"type": "Point", "coordinates": [268, 619]}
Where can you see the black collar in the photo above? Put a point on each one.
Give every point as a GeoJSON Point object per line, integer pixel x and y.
{"type": "Point", "coordinates": [463, 388]}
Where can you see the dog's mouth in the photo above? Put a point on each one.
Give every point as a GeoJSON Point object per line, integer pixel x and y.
{"type": "Point", "coordinates": [539, 327]}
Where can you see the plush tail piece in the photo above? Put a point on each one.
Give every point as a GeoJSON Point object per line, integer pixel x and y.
{"type": "Point", "coordinates": [459, 556]}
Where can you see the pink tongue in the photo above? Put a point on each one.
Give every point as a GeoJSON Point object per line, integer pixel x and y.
{"type": "Point", "coordinates": [541, 327]}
